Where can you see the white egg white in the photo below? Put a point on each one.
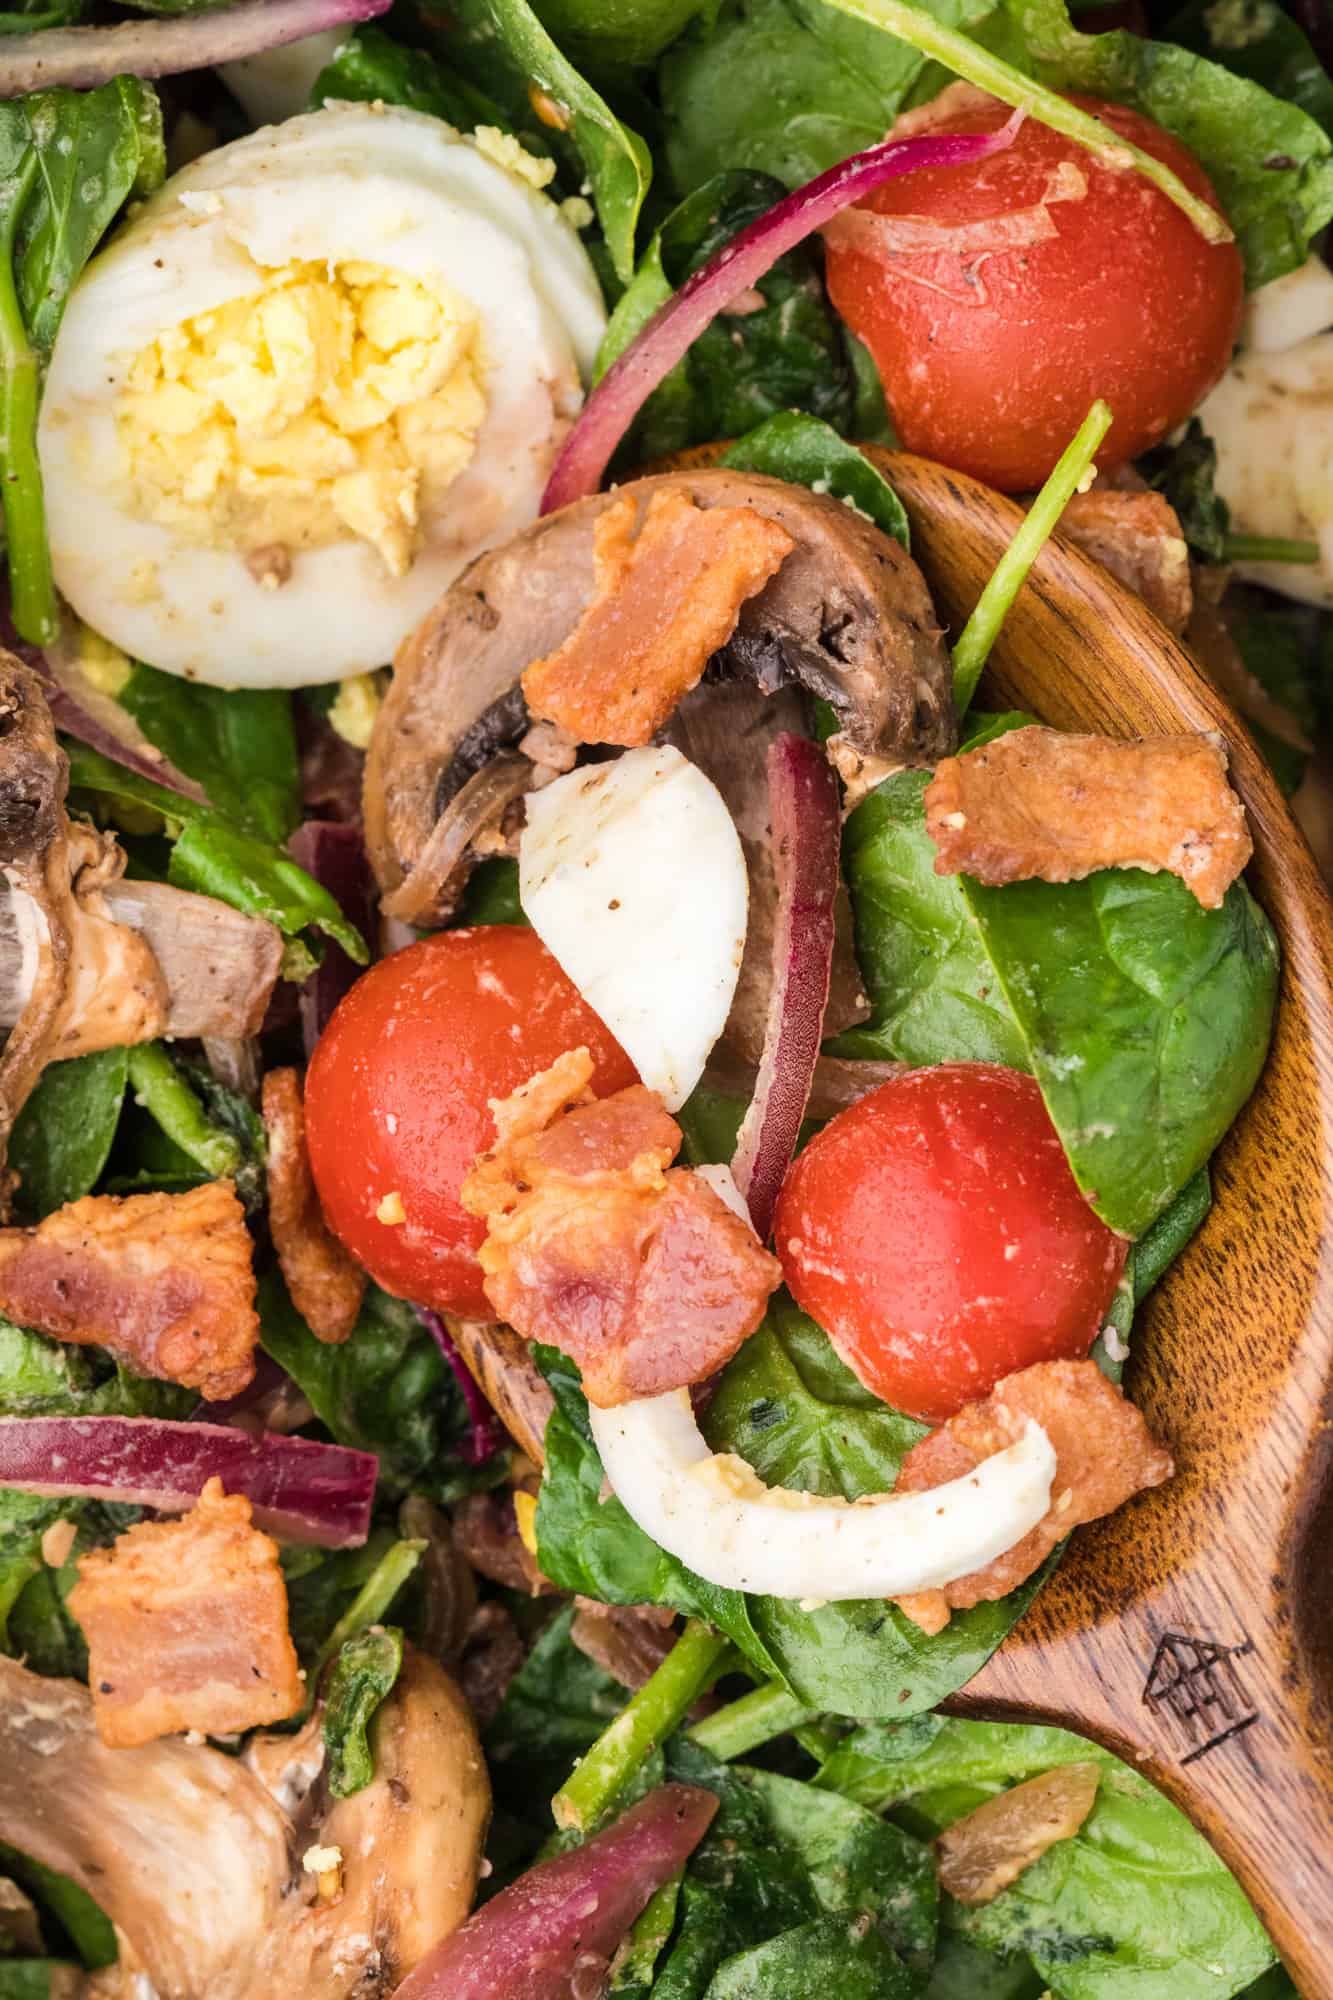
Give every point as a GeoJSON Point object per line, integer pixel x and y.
{"type": "Point", "coordinates": [376, 184]}
{"type": "Point", "coordinates": [713, 1513]}
{"type": "Point", "coordinates": [633, 876]}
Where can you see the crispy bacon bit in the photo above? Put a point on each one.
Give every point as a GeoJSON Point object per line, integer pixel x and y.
{"type": "Point", "coordinates": [1038, 803]}
{"type": "Point", "coordinates": [186, 1623]}
{"type": "Point", "coordinates": [1104, 1452]}
{"type": "Point", "coordinates": [326, 1285]}
{"type": "Point", "coordinates": [663, 603]}
{"type": "Point", "coordinates": [1137, 537]}
{"type": "Point", "coordinates": [984, 1852]}
{"type": "Point", "coordinates": [642, 1275]}
{"type": "Point", "coordinates": [165, 1281]}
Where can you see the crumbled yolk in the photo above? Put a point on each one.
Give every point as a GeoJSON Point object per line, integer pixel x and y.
{"type": "Point", "coordinates": [333, 400]}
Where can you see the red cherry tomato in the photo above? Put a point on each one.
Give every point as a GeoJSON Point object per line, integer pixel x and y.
{"type": "Point", "coordinates": [397, 1096]}
{"type": "Point", "coordinates": [936, 1233]}
{"type": "Point", "coordinates": [991, 357]}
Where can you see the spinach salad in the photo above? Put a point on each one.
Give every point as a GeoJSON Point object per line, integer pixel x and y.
{"type": "Point", "coordinates": [576, 1204]}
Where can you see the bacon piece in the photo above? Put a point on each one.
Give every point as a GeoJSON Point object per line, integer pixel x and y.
{"type": "Point", "coordinates": [642, 1275]}
{"type": "Point", "coordinates": [326, 1284]}
{"type": "Point", "coordinates": [186, 1623]}
{"type": "Point", "coordinates": [1104, 1453]}
{"type": "Point", "coordinates": [1040, 803]}
{"type": "Point", "coordinates": [1137, 537]}
{"type": "Point", "coordinates": [164, 1281]}
{"type": "Point", "coordinates": [663, 602]}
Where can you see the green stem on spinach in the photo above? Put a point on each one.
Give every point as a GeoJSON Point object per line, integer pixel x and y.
{"type": "Point", "coordinates": [1267, 548]}
{"type": "Point", "coordinates": [371, 1602]}
{"type": "Point", "coordinates": [977, 65]}
{"type": "Point", "coordinates": [32, 589]}
{"type": "Point", "coordinates": [756, 1718]}
{"type": "Point", "coordinates": [689, 1670]}
{"type": "Point", "coordinates": [1007, 578]}
{"type": "Point", "coordinates": [164, 1094]}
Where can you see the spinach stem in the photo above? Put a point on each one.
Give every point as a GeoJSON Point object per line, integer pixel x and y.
{"type": "Point", "coordinates": [1007, 578]}
{"type": "Point", "coordinates": [968, 59]}
{"type": "Point", "coordinates": [32, 588]}
{"type": "Point", "coordinates": [165, 1095]}
{"type": "Point", "coordinates": [1267, 548]}
{"type": "Point", "coordinates": [756, 1718]}
{"type": "Point", "coordinates": [371, 1602]}
{"type": "Point", "coordinates": [689, 1669]}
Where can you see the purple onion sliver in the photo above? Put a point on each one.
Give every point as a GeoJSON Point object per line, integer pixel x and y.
{"type": "Point", "coordinates": [532, 1941]}
{"type": "Point", "coordinates": [737, 267]}
{"type": "Point", "coordinates": [301, 1489]}
{"type": "Point", "coordinates": [487, 1435]}
{"type": "Point", "coordinates": [83, 58]}
{"type": "Point", "coordinates": [805, 814]}
{"type": "Point", "coordinates": [335, 855]}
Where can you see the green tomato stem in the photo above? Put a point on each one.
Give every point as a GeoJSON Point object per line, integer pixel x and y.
{"type": "Point", "coordinates": [1007, 578]}
{"type": "Point", "coordinates": [32, 588]}
{"type": "Point", "coordinates": [968, 59]}
{"type": "Point", "coordinates": [1267, 548]}
{"type": "Point", "coordinates": [756, 1718]}
{"type": "Point", "coordinates": [165, 1095]}
{"type": "Point", "coordinates": [689, 1669]}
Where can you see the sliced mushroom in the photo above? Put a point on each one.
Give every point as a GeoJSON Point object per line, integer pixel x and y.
{"type": "Point", "coordinates": [196, 1857]}
{"type": "Point", "coordinates": [847, 617]}
{"type": "Point", "coordinates": [88, 961]}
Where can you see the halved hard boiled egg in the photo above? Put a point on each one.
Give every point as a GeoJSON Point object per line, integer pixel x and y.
{"type": "Point", "coordinates": [316, 374]}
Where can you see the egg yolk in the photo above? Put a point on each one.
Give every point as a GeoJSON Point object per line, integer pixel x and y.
{"type": "Point", "coordinates": [333, 401]}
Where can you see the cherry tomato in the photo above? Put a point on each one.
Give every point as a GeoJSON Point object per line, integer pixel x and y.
{"type": "Point", "coordinates": [397, 1097]}
{"type": "Point", "coordinates": [936, 1233]}
{"type": "Point", "coordinates": [991, 356]}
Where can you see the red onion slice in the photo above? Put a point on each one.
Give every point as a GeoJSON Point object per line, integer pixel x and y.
{"type": "Point", "coordinates": [806, 818]}
{"type": "Point", "coordinates": [487, 1435]}
{"type": "Point", "coordinates": [562, 1921]}
{"type": "Point", "coordinates": [301, 1490]}
{"type": "Point", "coordinates": [83, 58]}
{"type": "Point", "coordinates": [335, 855]}
{"type": "Point", "coordinates": [738, 265]}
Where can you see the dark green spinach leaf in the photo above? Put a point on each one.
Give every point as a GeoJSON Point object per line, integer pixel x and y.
{"type": "Point", "coordinates": [1185, 474]}
{"type": "Point", "coordinates": [806, 452]}
{"type": "Point", "coordinates": [554, 1709]}
{"type": "Point", "coordinates": [371, 68]}
{"type": "Point", "coordinates": [1259, 40]}
{"type": "Point", "coordinates": [363, 1677]}
{"type": "Point", "coordinates": [62, 1137]}
{"type": "Point", "coordinates": [81, 1924]}
{"type": "Point", "coordinates": [239, 745]}
{"type": "Point", "coordinates": [843, 1955]}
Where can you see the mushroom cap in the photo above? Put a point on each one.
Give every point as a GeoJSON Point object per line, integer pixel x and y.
{"type": "Point", "coordinates": [847, 617]}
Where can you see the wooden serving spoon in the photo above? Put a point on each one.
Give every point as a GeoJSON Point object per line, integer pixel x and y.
{"type": "Point", "coordinates": [1191, 1632]}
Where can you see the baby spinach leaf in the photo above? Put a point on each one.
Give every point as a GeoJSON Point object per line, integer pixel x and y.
{"type": "Point", "coordinates": [491, 895]}
{"type": "Point", "coordinates": [386, 1389]}
{"type": "Point", "coordinates": [218, 859]}
{"type": "Point", "coordinates": [934, 992]}
{"type": "Point", "coordinates": [788, 353]}
{"type": "Point", "coordinates": [611, 32]}
{"type": "Point", "coordinates": [806, 452]}
{"type": "Point", "coordinates": [62, 1137]}
{"type": "Point", "coordinates": [238, 744]}
{"type": "Point", "coordinates": [843, 1955]}
{"type": "Point", "coordinates": [1185, 474]}
{"type": "Point", "coordinates": [1275, 646]}
{"type": "Point", "coordinates": [1146, 1019]}
{"type": "Point", "coordinates": [1258, 40]}
{"type": "Point", "coordinates": [1135, 1902]}
{"type": "Point", "coordinates": [857, 1862]}
{"type": "Point", "coordinates": [69, 160]}
{"type": "Point", "coordinates": [81, 1924]}
{"type": "Point", "coordinates": [363, 1677]}
{"type": "Point", "coordinates": [371, 68]}
{"type": "Point", "coordinates": [29, 15]}
{"type": "Point", "coordinates": [590, 1545]}
{"type": "Point", "coordinates": [504, 45]}
{"type": "Point", "coordinates": [38, 1979]}
{"type": "Point", "coordinates": [1271, 164]}
{"type": "Point", "coordinates": [554, 1709]}
{"type": "Point", "coordinates": [962, 1971]}
{"type": "Point", "coordinates": [24, 1519]}
{"type": "Point", "coordinates": [42, 1377]}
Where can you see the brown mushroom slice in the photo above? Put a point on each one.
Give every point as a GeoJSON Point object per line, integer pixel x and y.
{"type": "Point", "coordinates": [847, 617]}
{"type": "Point", "coordinates": [197, 1859]}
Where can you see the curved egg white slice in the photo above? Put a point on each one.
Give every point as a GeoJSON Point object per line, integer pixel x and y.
{"type": "Point", "coordinates": [714, 1513]}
